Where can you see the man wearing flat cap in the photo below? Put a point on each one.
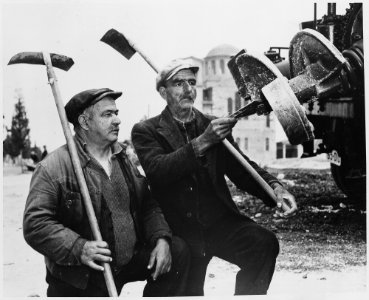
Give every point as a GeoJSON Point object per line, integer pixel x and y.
{"type": "Point", "coordinates": [185, 162]}
{"type": "Point", "coordinates": [137, 241]}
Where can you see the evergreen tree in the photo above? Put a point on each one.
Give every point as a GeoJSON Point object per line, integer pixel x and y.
{"type": "Point", "coordinates": [18, 141]}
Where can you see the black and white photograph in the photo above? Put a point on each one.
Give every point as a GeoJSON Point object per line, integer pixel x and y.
{"type": "Point", "coordinates": [173, 148]}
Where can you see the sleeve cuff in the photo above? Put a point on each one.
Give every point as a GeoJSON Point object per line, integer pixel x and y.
{"type": "Point", "coordinates": [168, 238]}
{"type": "Point", "coordinates": [196, 149]}
{"type": "Point", "coordinates": [77, 249]}
{"type": "Point", "coordinates": [200, 157]}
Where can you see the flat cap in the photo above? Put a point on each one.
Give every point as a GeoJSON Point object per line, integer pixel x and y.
{"type": "Point", "coordinates": [78, 103]}
{"type": "Point", "coordinates": [172, 68]}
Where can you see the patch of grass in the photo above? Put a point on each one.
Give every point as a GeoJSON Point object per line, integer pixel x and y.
{"type": "Point", "coordinates": [329, 231]}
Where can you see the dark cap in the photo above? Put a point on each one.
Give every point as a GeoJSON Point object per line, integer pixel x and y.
{"type": "Point", "coordinates": [172, 68]}
{"type": "Point", "coordinates": [82, 100]}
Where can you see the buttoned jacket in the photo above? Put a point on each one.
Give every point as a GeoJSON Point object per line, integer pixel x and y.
{"type": "Point", "coordinates": [170, 165]}
{"type": "Point", "coordinates": [55, 222]}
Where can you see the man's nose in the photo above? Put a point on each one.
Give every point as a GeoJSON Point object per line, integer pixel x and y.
{"type": "Point", "coordinates": [117, 120]}
{"type": "Point", "coordinates": [187, 86]}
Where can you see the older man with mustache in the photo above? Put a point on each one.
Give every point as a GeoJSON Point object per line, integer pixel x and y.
{"type": "Point", "coordinates": [185, 163]}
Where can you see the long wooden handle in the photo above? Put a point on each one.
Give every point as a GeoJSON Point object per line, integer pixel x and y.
{"type": "Point", "coordinates": [266, 187]}
{"type": "Point", "coordinates": [112, 290]}
{"type": "Point", "coordinates": [143, 55]}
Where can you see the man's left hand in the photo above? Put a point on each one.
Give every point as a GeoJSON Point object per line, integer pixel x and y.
{"type": "Point", "coordinates": [285, 196]}
{"type": "Point", "coordinates": [160, 258]}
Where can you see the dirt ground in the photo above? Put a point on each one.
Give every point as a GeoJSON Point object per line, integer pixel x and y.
{"type": "Point", "coordinates": [323, 248]}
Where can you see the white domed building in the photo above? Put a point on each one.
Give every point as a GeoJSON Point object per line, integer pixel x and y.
{"type": "Point", "coordinates": [217, 95]}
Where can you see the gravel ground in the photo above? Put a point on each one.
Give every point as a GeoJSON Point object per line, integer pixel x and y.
{"type": "Point", "coordinates": [329, 231]}
{"type": "Point", "coordinates": [323, 248]}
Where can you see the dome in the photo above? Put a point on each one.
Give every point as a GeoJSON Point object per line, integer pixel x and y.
{"type": "Point", "coordinates": [223, 50]}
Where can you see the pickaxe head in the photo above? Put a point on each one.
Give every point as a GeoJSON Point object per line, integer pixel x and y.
{"type": "Point", "coordinates": [36, 58]}
{"type": "Point", "coordinates": [117, 40]}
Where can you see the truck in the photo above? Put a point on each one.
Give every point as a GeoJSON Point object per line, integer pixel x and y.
{"type": "Point", "coordinates": [322, 91]}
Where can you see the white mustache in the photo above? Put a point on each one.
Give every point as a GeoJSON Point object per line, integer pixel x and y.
{"type": "Point", "coordinates": [188, 97]}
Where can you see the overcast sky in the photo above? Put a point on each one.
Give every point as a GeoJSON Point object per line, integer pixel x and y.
{"type": "Point", "coordinates": [164, 29]}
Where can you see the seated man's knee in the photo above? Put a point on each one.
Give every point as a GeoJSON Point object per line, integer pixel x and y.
{"type": "Point", "coordinates": [260, 240]}
{"type": "Point", "coordinates": [268, 241]}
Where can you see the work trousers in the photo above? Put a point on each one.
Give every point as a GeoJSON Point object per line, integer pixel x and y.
{"type": "Point", "coordinates": [244, 243]}
{"type": "Point", "coordinates": [172, 283]}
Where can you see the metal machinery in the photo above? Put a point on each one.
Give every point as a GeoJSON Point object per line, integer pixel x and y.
{"type": "Point", "coordinates": [318, 93]}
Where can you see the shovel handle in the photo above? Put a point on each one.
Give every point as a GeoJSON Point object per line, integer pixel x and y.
{"type": "Point", "coordinates": [266, 187]}
{"type": "Point", "coordinates": [78, 169]}
{"type": "Point", "coordinates": [143, 55]}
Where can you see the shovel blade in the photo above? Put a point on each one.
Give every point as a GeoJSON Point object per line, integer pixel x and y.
{"type": "Point", "coordinates": [289, 111]}
{"type": "Point", "coordinates": [36, 58]}
{"type": "Point", "coordinates": [117, 40]}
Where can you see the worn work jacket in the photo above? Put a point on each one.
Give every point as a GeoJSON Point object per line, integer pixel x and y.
{"type": "Point", "coordinates": [55, 222]}
{"type": "Point", "coordinates": [170, 165]}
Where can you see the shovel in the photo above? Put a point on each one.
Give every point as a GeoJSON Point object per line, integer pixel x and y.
{"type": "Point", "coordinates": [127, 48]}
{"type": "Point", "coordinates": [64, 63]}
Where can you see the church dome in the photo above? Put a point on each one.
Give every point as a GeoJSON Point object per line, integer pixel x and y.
{"type": "Point", "coordinates": [223, 50]}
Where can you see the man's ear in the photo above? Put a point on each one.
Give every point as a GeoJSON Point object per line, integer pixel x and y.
{"type": "Point", "coordinates": [163, 92]}
{"type": "Point", "coordinates": [82, 120]}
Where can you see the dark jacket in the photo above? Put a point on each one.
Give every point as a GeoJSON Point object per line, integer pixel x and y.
{"type": "Point", "coordinates": [55, 222]}
{"type": "Point", "coordinates": [170, 165]}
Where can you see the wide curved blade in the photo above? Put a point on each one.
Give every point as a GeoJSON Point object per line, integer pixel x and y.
{"type": "Point", "coordinates": [118, 41]}
{"type": "Point", "coordinates": [35, 58]}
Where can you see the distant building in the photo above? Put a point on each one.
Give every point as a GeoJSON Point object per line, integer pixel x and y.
{"type": "Point", "coordinates": [217, 95]}
{"type": "Point", "coordinates": [286, 150]}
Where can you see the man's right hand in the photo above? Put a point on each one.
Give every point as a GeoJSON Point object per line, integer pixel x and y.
{"type": "Point", "coordinates": [93, 252]}
{"type": "Point", "coordinates": [216, 131]}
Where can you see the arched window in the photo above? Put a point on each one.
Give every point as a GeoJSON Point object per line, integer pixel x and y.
{"type": "Point", "coordinates": [207, 103]}
{"type": "Point", "coordinates": [238, 140]}
{"type": "Point", "coordinates": [207, 68]}
{"type": "Point", "coordinates": [222, 66]}
{"type": "Point", "coordinates": [268, 121]}
{"type": "Point", "coordinates": [266, 144]}
{"type": "Point", "coordinates": [246, 144]}
{"type": "Point", "coordinates": [230, 106]}
{"type": "Point", "coordinates": [213, 66]}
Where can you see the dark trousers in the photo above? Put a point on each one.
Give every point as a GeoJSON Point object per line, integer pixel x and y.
{"type": "Point", "coordinates": [169, 284]}
{"type": "Point", "coordinates": [244, 243]}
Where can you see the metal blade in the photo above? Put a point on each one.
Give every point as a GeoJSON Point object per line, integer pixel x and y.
{"type": "Point", "coordinates": [238, 79]}
{"type": "Point", "coordinates": [58, 61]}
{"type": "Point", "coordinates": [117, 40]}
{"type": "Point", "coordinates": [289, 111]}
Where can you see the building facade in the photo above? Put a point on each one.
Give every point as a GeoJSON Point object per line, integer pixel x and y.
{"type": "Point", "coordinates": [217, 95]}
